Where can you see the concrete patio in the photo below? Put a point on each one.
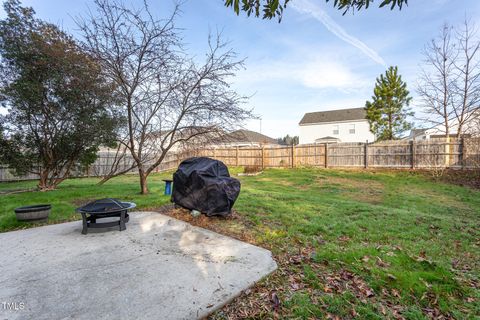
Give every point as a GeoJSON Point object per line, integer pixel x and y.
{"type": "Point", "coordinates": [159, 268]}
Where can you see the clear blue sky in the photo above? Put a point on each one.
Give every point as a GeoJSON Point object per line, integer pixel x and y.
{"type": "Point", "coordinates": [314, 60]}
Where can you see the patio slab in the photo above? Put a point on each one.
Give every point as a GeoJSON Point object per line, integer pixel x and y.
{"type": "Point", "coordinates": [159, 268]}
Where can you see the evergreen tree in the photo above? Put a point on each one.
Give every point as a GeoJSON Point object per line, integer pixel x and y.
{"type": "Point", "coordinates": [288, 140]}
{"type": "Point", "coordinates": [388, 111]}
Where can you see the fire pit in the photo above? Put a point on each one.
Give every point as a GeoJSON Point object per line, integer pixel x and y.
{"type": "Point", "coordinates": [105, 208]}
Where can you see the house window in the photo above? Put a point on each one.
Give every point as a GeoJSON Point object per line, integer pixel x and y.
{"type": "Point", "coordinates": [336, 130]}
{"type": "Point", "coordinates": [352, 129]}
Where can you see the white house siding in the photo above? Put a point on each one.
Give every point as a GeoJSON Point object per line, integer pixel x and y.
{"type": "Point", "coordinates": [470, 127]}
{"type": "Point", "coordinates": [311, 132]}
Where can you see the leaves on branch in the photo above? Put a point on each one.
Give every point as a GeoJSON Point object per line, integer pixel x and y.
{"type": "Point", "coordinates": [269, 9]}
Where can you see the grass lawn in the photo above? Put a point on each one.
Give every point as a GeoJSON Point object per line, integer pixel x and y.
{"type": "Point", "coordinates": [349, 244]}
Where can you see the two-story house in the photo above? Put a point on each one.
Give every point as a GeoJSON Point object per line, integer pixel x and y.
{"type": "Point", "coordinates": [344, 125]}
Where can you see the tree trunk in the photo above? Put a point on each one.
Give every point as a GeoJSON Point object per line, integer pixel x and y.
{"type": "Point", "coordinates": [143, 181]}
{"type": "Point", "coordinates": [390, 127]}
{"type": "Point", "coordinates": [460, 128]}
{"type": "Point", "coordinates": [447, 145]}
{"type": "Point", "coordinates": [44, 183]}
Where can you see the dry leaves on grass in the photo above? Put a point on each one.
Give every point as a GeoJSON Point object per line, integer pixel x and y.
{"type": "Point", "coordinates": [233, 225]}
{"type": "Point", "coordinates": [265, 299]}
{"type": "Point", "coordinates": [344, 281]}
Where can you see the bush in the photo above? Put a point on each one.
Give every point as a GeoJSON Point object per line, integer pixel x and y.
{"type": "Point", "coordinates": [252, 169]}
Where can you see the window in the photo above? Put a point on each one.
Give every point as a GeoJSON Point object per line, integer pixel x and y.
{"type": "Point", "coordinates": [336, 130]}
{"type": "Point", "coordinates": [352, 129]}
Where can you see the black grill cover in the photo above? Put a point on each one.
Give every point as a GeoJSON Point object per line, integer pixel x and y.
{"type": "Point", "coordinates": [205, 185]}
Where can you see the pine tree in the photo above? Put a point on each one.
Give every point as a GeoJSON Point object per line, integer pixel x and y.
{"type": "Point", "coordinates": [387, 113]}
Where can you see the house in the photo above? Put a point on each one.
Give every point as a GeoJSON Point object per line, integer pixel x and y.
{"type": "Point", "coordinates": [245, 138]}
{"type": "Point", "coordinates": [471, 128]}
{"type": "Point", "coordinates": [344, 125]}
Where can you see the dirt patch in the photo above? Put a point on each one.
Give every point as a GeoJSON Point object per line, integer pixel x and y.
{"type": "Point", "coordinates": [281, 182]}
{"type": "Point", "coordinates": [233, 225]}
{"type": "Point", "coordinates": [371, 192]}
{"type": "Point", "coordinates": [464, 178]}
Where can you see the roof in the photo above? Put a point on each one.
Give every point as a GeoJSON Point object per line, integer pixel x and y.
{"type": "Point", "coordinates": [417, 132]}
{"type": "Point", "coordinates": [248, 136]}
{"type": "Point", "coordinates": [334, 116]}
{"type": "Point", "coordinates": [328, 138]}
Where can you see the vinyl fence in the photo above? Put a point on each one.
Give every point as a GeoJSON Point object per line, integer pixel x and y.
{"type": "Point", "coordinates": [401, 154]}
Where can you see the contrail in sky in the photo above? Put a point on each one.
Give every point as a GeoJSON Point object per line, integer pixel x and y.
{"type": "Point", "coordinates": [306, 6]}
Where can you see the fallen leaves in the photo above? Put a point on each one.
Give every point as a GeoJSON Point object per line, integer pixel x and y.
{"type": "Point", "coordinates": [395, 293]}
{"type": "Point", "coordinates": [294, 283]}
{"type": "Point", "coordinates": [301, 274]}
{"type": "Point", "coordinates": [382, 263]}
{"type": "Point", "coordinates": [275, 301]}
{"type": "Point", "coordinates": [391, 276]}
{"type": "Point", "coordinates": [422, 257]}
{"type": "Point", "coordinates": [344, 281]}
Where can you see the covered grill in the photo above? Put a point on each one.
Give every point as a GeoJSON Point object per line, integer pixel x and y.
{"type": "Point", "coordinates": [205, 185]}
{"type": "Point", "coordinates": [105, 208]}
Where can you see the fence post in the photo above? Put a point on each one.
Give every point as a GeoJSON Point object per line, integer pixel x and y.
{"type": "Point", "coordinates": [412, 151]}
{"type": "Point", "coordinates": [326, 155]}
{"type": "Point", "coordinates": [462, 152]}
{"type": "Point", "coordinates": [294, 160]}
{"type": "Point", "coordinates": [236, 156]}
{"type": "Point", "coordinates": [366, 154]}
{"type": "Point", "coordinates": [263, 158]}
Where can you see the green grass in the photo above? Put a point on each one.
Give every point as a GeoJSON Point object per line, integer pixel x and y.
{"type": "Point", "coordinates": [74, 192]}
{"type": "Point", "coordinates": [413, 242]}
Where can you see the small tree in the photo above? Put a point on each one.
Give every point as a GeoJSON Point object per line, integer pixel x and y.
{"type": "Point", "coordinates": [466, 93]}
{"type": "Point", "coordinates": [167, 97]}
{"type": "Point", "coordinates": [58, 102]}
{"type": "Point", "coordinates": [388, 112]}
{"type": "Point", "coordinates": [437, 83]}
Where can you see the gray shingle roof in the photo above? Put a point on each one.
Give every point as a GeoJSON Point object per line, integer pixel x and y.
{"type": "Point", "coordinates": [248, 136]}
{"type": "Point", "coordinates": [417, 132]}
{"type": "Point", "coordinates": [334, 115]}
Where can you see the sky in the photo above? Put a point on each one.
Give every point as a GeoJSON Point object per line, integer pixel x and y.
{"type": "Point", "coordinates": [316, 59]}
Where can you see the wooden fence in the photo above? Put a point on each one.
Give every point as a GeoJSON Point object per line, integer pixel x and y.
{"type": "Point", "coordinates": [401, 154]}
{"type": "Point", "coordinates": [427, 154]}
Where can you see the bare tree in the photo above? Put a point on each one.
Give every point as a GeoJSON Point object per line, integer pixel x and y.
{"type": "Point", "coordinates": [437, 81]}
{"type": "Point", "coordinates": [467, 66]}
{"type": "Point", "coordinates": [168, 98]}
{"type": "Point", "coordinates": [121, 163]}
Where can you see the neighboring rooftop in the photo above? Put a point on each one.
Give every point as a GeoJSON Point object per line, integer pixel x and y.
{"type": "Point", "coordinates": [248, 137]}
{"type": "Point", "coordinates": [334, 116]}
{"type": "Point", "coordinates": [417, 132]}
